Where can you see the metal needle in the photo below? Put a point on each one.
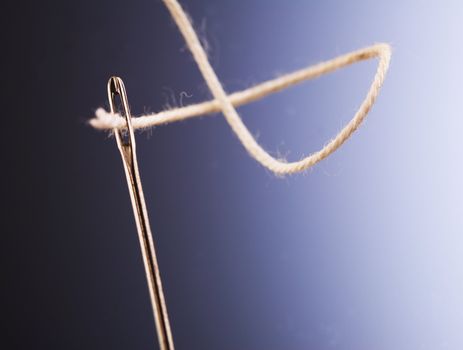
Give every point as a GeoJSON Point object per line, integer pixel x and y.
{"type": "Point", "coordinates": [126, 144]}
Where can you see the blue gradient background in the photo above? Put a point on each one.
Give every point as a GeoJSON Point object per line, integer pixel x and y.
{"type": "Point", "coordinates": [365, 251]}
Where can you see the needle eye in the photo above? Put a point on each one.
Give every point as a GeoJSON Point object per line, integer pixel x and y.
{"type": "Point", "coordinates": [118, 103]}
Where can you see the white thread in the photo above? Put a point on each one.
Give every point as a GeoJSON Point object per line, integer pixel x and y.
{"type": "Point", "coordinates": [225, 103]}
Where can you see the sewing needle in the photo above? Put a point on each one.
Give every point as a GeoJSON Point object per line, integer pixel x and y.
{"type": "Point", "coordinates": [126, 144]}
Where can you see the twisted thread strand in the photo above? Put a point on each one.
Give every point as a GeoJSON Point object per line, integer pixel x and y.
{"type": "Point", "coordinates": [226, 103]}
